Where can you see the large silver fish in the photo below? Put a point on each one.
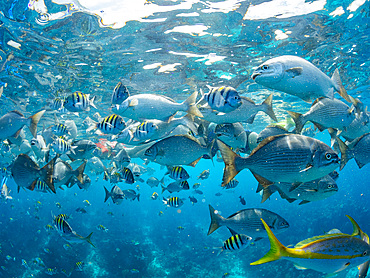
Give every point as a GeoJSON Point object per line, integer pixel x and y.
{"type": "Point", "coordinates": [149, 106]}
{"type": "Point", "coordinates": [244, 113]}
{"type": "Point", "coordinates": [288, 158]}
{"type": "Point", "coordinates": [298, 77]}
{"type": "Point", "coordinates": [26, 172]}
{"type": "Point", "coordinates": [310, 191]}
{"type": "Point", "coordinates": [324, 113]}
{"type": "Point", "coordinates": [248, 222]}
{"type": "Point", "coordinates": [359, 149]}
{"type": "Point", "coordinates": [177, 150]}
{"type": "Point", "coordinates": [12, 123]}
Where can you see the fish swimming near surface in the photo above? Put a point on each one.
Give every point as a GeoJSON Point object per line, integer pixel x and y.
{"type": "Point", "coordinates": [149, 106]}
{"type": "Point", "coordinates": [26, 172]}
{"type": "Point", "coordinates": [177, 150]}
{"type": "Point", "coordinates": [236, 242]}
{"type": "Point", "coordinates": [78, 102]}
{"type": "Point", "coordinates": [325, 113]}
{"type": "Point", "coordinates": [289, 158]}
{"type": "Point", "coordinates": [63, 173]}
{"type": "Point", "coordinates": [298, 77]}
{"type": "Point", "coordinates": [222, 99]}
{"type": "Point", "coordinates": [247, 221]}
{"type": "Point", "coordinates": [120, 93]}
{"type": "Point", "coordinates": [12, 123]}
{"type": "Point", "coordinates": [65, 230]}
{"type": "Point", "coordinates": [359, 149]}
{"type": "Point", "coordinates": [330, 253]}
{"type": "Point", "coordinates": [245, 113]}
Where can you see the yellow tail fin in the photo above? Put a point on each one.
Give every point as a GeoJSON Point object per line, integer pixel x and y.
{"type": "Point", "coordinates": [277, 250]}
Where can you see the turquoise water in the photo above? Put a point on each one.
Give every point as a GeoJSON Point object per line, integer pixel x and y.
{"type": "Point", "coordinates": [55, 48]}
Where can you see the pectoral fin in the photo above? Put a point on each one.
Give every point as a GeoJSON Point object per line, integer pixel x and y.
{"type": "Point", "coordinates": [295, 71]}
{"type": "Point", "coordinates": [133, 102]}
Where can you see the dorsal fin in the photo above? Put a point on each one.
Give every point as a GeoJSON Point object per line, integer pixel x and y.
{"type": "Point", "coordinates": [317, 100]}
{"type": "Point", "coordinates": [265, 142]}
{"type": "Point", "coordinates": [17, 112]}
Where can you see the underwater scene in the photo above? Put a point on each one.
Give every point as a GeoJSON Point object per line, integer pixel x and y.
{"type": "Point", "coordinates": [184, 138]}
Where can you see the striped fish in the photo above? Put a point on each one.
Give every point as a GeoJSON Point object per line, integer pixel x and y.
{"type": "Point", "coordinates": [247, 221]}
{"type": "Point", "coordinates": [330, 253]}
{"type": "Point", "coordinates": [63, 216]}
{"type": "Point", "coordinates": [127, 175]}
{"type": "Point", "coordinates": [79, 266]}
{"type": "Point", "coordinates": [144, 131]}
{"type": "Point", "coordinates": [236, 242]}
{"type": "Point", "coordinates": [51, 271]}
{"type": "Point", "coordinates": [49, 228]}
{"type": "Point", "coordinates": [112, 124]}
{"type": "Point", "coordinates": [222, 99]}
{"type": "Point", "coordinates": [78, 102]}
{"type": "Point", "coordinates": [61, 146]}
{"type": "Point", "coordinates": [173, 202]}
{"type": "Point", "coordinates": [57, 104]}
{"type": "Point", "coordinates": [41, 186]}
{"type": "Point", "coordinates": [120, 93]}
{"type": "Point", "coordinates": [102, 228]}
{"type": "Point", "coordinates": [288, 158]}
{"type": "Point", "coordinates": [177, 173]}
{"type": "Point", "coordinates": [60, 129]}
{"type": "Point", "coordinates": [231, 184]}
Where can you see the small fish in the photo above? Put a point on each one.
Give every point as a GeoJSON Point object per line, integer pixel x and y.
{"type": "Point", "coordinates": [242, 200]}
{"type": "Point", "coordinates": [81, 210]}
{"type": "Point", "coordinates": [58, 205]}
{"type": "Point", "coordinates": [78, 102]}
{"type": "Point", "coordinates": [154, 196]}
{"type": "Point", "coordinates": [79, 266]}
{"type": "Point", "coordinates": [24, 263]}
{"type": "Point", "coordinates": [131, 195]}
{"type": "Point", "coordinates": [153, 181]}
{"type": "Point", "coordinates": [236, 242]}
{"type": "Point", "coordinates": [204, 175]}
{"type": "Point", "coordinates": [49, 228]}
{"type": "Point", "coordinates": [41, 186]}
{"type": "Point", "coordinates": [102, 228]}
{"type": "Point", "coordinates": [47, 250]}
{"type": "Point", "coordinates": [57, 104]}
{"type": "Point", "coordinates": [87, 203]}
{"type": "Point", "coordinates": [329, 253]}
{"type": "Point", "coordinates": [134, 271]}
{"type": "Point", "coordinates": [247, 221]}
{"type": "Point", "coordinates": [9, 258]}
{"type": "Point", "coordinates": [65, 272]}
{"type": "Point", "coordinates": [231, 184]}
{"type": "Point", "coordinates": [173, 202]}
{"type": "Point", "coordinates": [120, 93]}
{"type": "Point", "coordinates": [196, 185]}
{"type": "Point", "coordinates": [177, 173]}
{"type": "Point", "coordinates": [180, 228]}
{"type": "Point", "coordinates": [61, 146]}
{"type": "Point", "coordinates": [67, 247]}
{"type": "Point", "coordinates": [127, 175]}
{"type": "Point", "coordinates": [144, 131]}
{"type": "Point", "coordinates": [51, 271]}
{"type": "Point", "coordinates": [222, 99]}
{"type": "Point", "coordinates": [197, 191]}
{"type": "Point", "coordinates": [112, 124]}
{"type": "Point", "coordinates": [160, 213]}
{"type": "Point", "coordinates": [4, 189]}
{"type": "Point", "coordinates": [176, 186]}
{"type": "Point", "coordinates": [60, 130]}
{"type": "Point", "coordinates": [218, 194]}
{"type": "Point", "coordinates": [193, 200]}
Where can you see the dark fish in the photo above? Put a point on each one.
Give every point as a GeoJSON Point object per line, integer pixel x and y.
{"type": "Point", "coordinates": [193, 200]}
{"type": "Point", "coordinates": [197, 191]}
{"type": "Point", "coordinates": [236, 242]}
{"type": "Point", "coordinates": [127, 175]}
{"type": "Point", "coordinates": [242, 200]}
{"type": "Point", "coordinates": [81, 210]}
{"type": "Point", "coordinates": [177, 173]}
{"type": "Point", "coordinates": [248, 221]}
{"type": "Point", "coordinates": [231, 184]}
{"type": "Point", "coordinates": [116, 194]}
{"type": "Point", "coordinates": [26, 172]}
{"type": "Point", "coordinates": [359, 149]}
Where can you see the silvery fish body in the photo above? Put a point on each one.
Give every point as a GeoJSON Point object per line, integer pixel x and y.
{"type": "Point", "coordinates": [121, 159]}
{"type": "Point", "coordinates": [324, 113]}
{"type": "Point", "coordinates": [244, 113]}
{"type": "Point", "coordinates": [39, 147]}
{"type": "Point", "coordinates": [223, 99]}
{"type": "Point", "coordinates": [95, 165]}
{"type": "Point", "coordinates": [63, 173]}
{"type": "Point", "coordinates": [298, 77]}
{"type": "Point", "coordinates": [176, 150]}
{"type": "Point", "coordinates": [150, 106]}
{"type": "Point", "coordinates": [359, 126]}
{"type": "Point", "coordinates": [84, 149]}
{"type": "Point", "coordinates": [248, 222]}
{"type": "Point", "coordinates": [271, 130]}
{"type": "Point", "coordinates": [4, 190]}
{"type": "Point", "coordinates": [131, 194]}
{"type": "Point", "coordinates": [288, 158]}
{"type": "Point", "coordinates": [176, 186]}
{"type": "Point", "coordinates": [116, 194]}
{"type": "Point", "coordinates": [233, 135]}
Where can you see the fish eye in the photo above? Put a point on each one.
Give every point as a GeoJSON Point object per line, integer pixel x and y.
{"type": "Point", "coordinates": [328, 156]}
{"type": "Point", "coordinates": [265, 67]}
{"type": "Point", "coordinates": [364, 253]}
{"type": "Point", "coordinates": [330, 186]}
{"type": "Point", "coordinates": [283, 223]}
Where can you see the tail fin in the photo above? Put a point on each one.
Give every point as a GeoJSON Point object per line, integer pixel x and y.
{"type": "Point", "coordinates": [138, 197]}
{"type": "Point", "coordinates": [216, 220]}
{"type": "Point", "coordinates": [88, 239]}
{"type": "Point", "coordinates": [228, 156]}
{"type": "Point", "coordinates": [277, 250]}
{"type": "Point", "coordinates": [79, 172]}
{"type": "Point", "coordinates": [345, 153]}
{"type": "Point", "coordinates": [34, 121]}
{"type": "Point", "coordinates": [107, 194]}
{"type": "Point", "coordinates": [297, 118]}
{"type": "Point", "coordinates": [163, 189]}
{"type": "Point", "coordinates": [91, 102]}
{"type": "Point", "coordinates": [162, 181]}
{"type": "Point", "coordinates": [191, 106]}
{"type": "Point", "coordinates": [339, 86]}
{"type": "Point", "coordinates": [268, 108]}
{"type": "Point", "coordinates": [47, 173]}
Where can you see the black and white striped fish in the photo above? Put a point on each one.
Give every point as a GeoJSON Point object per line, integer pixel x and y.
{"type": "Point", "coordinates": [236, 242]}
{"type": "Point", "coordinates": [78, 102]}
{"type": "Point", "coordinates": [79, 266]}
{"type": "Point", "coordinates": [173, 202]}
{"type": "Point", "coordinates": [112, 124]}
{"type": "Point", "coordinates": [61, 146]}
{"type": "Point", "coordinates": [144, 131]}
{"type": "Point", "coordinates": [127, 175]}
{"type": "Point", "coordinates": [41, 186]}
{"type": "Point", "coordinates": [60, 129]}
{"type": "Point", "coordinates": [120, 93]}
{"type": "Point", "coordinates": [177, 173]}
{"type": "Point", "coordinates": [231, 184]}
{"type": "Point", "coordinates": [223, 99]}
{"type": "Point", "coordinates": [57, 104]}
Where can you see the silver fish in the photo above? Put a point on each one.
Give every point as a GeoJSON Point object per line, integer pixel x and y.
{"type": "Point", "coordinates": [248, 222]}
{"type": "Point", "coordinates": [63, 173]}
{"type": "Point", "coordinates": [84, 150]}
{"type": "Point", "coordinates": [324, 113]}
{"type": "Point", "coordinates": [288, 158]}
{"type": "Point", "coordinates": [4, 190]}
{"type": "Point", "coordinates": [245, 113]}
{"type": "Point", "coordinates": [131, 194]}
{"type": "Point", "coordinates": [116, 194]}
{"type": "Point", "coordinates": [271, 130]}
{"type": "Point", "coordinates": [298, 77]}
{"type": "Point", "coordinates": [233, 135]}
{"type": "Point", "coordinates": [154, 182]}
{"type": "Point", "coordinates": [12, 123]}
{"type": "Point", "coordinates": [177, 150]}
{"type": "Point", "coordinates": [149, 106]}
{"type": "Point", "coordinates": [359, 149]}
{"type": "Point", "coordinates": [176, 186]}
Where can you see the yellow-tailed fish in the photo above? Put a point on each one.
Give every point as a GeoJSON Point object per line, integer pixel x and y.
{"type": "Point", "coordinates": [328, 253]}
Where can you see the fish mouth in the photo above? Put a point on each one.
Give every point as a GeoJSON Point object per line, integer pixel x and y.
{"type": "Point", "coordinates": [254, 75]}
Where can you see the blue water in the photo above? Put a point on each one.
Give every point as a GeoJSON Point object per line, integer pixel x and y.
{"type": "Point", "coordinates": [87, 46]}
